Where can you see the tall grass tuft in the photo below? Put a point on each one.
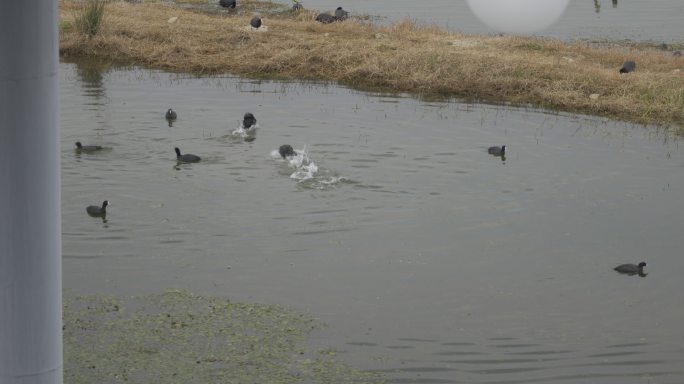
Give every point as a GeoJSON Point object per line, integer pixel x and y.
{"type": "Point", "coordinates": [88, 19]}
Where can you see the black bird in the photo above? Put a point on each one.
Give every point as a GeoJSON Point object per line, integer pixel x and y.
{"type": "Point", "coordinates": [341, 14]}
{"type": "Point", "coordinates": [248, 121]}
{"type": "Point", "coordinates": [628, 66]}
{"type": "Point", "coordinates": [187, 158]}
{"type": "Point", "coordinates": [87, 148]}
{"type": "Point", "coordinates": [95, 211]}
{"type": "Point", "coordinates": [631, 269]}
{"type": "Point", "coordinates": [227, 3]}
{"type": "Point", "coordinates": [325, 18]}
{"type": "Point", "coordinates": [497, 151]}
{"type": "Point", "coordinates": [171, 114]}
{"type": "Point", "coordinates": [255, 22]}
{"type": "Point", "coordinates": [286, 151]}
{"type": "Point", "coordinates": [297, 7]}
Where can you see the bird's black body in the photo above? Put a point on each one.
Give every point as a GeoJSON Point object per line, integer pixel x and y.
{"type": "Point", "coordinates": [341, 14]}
{"type": "Point", "coordinates": [631, 269]}
{"type": "Point", "coordinates": [297, 7]}
{"type": "Point", "coordinates": [325, 18]}
{"type": "Point", "coordinates": [497, 151]}
{"type": "Point", "coordinates": [171, 114]}
{"type": "Point", "coordinates": [628, 66]}
{"type": "Point", "coordinates": [87, 148]}
{"type": "Point", "coordinates": [186, 158]}
{"type": "Point", "coordinates": [248, 121]}
{"type": "Point", "coordinates": [227, 3]}
{"type": "Point", "coordinates": [286, 151]}
{"type": "Point", "coordinates": [96, 211]}
{"type": "Point", "coordinates": [255, 22]}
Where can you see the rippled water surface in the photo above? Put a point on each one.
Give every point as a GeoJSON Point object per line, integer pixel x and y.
{"type": "Point", "coordinates": [639, 20]}
{"type": "Point", "coordinates": [430, 259]}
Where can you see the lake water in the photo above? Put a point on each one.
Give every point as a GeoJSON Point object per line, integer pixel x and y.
{"type": "Point", "coordinates": [430, 259]}
{"type": "Point", "coordinates": [638, 20]}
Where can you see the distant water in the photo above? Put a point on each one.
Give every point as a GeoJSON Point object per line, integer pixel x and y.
{"type": "Point", "coordinates": [638, 20]}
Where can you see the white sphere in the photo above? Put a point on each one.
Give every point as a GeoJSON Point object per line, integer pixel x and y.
{"type": "Point", "coordinates": [518, 16]}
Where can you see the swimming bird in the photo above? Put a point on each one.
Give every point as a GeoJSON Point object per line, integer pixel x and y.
{"type": "Point", "coordinates": [631, 269]}
{"type": "Point", "coordinates": [255, 22]}
{"type": "Point", "coordinates": [286, 151]}
{"type": "Point", "coordinates": [227, 3]}
{"type": "Point", "coordinates": [187, 158]}
{"type": "Point", "coordinates": [325, 18]}
{"type": "Point", "coordinates": [628, 66]}
{"type": "Point", "coordinates": [497, 151]}
{"type": "Point", "coordinates": [171, 114]}
{"type": "Point", "coordinates": [341, 14]}
{"type": "Point", "coordinates": [95, 211]}
{"type": "Point", "coordinates": [87, 148]}
{"type": "Point", "coordinates": [248, 121]}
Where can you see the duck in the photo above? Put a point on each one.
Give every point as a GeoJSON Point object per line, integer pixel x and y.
{"type": "Point", "coordinates": [227, 3]}
{"type": "Point", "coordinates": [171, 114]}
{"type": "Point", "coordinates": [97, 211]}
{"type": "Point", "coordinates": [186, 158]}
{"type": "Point", "coordinates": [297, 6]}
{"type": "Point", "coordinates": [325, 18]}
{"type": "Point", "coordinates": [87, 148]}
{"type": "Point", "coordinates": [341, 14]}
{"type": "Point", "coordinates": [248, 121]}
{"type": "Point", "coordinates": [255, 22]}
{"type": "Point", "coordinates": [286, 151]}
{"type": "Point", "coordinates": [631, 269]}
{"type": "Point", "coordinates": [497, 151]}
{"type": "Point", "coordinates": [628, 66]}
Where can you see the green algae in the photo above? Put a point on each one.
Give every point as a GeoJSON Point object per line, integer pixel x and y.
{"type": "Point", "coordinates": [179, 337]}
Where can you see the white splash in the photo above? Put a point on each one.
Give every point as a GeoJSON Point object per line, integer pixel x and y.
{"type": "Point", "coordinates": [306, 172]}
{"type": "Point", "coordinates": [242, 132]}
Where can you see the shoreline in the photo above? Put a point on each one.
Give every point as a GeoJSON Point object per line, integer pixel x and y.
{"type": "Point", "coordinates": [403, 57]}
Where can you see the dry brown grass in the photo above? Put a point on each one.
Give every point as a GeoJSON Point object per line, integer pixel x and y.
{"type": "Point", "coordinates": [402, 57]}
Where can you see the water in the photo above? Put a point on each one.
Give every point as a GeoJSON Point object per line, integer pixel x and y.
{"type": "Point", "coordinates": [430, 259]}
{"type": "Point", "coordinates": [638, 20]}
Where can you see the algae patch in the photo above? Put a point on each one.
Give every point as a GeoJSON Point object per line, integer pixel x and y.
{"type": "Point", "coordinates": [178, 337]}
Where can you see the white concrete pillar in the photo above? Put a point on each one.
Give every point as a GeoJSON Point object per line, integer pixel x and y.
{"type": "Point", "coordinates": [30, 222]}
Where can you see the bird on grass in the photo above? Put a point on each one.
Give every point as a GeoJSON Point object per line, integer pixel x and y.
{"type": "Point", "coordinates": [186, 158]}
{"type": "Point", "coordinates": [96, 211]}
{"type": "Point", "coordinates": [497, 151]}
{"type": "Point", "coordinates": [87, 148]}
{"type": "Point", "coordinates": [227, 3]}
{"type": "Point", "coordinates": [248, 121]}
{"type": "Point", "coordinates": [286, 151]}
{"type": "Point", "coordinates": [255, 22]}
{"type": "Point", "coordinates": [341, 14]}
{"type": "Point", "coordinates": [325, 18]}
{"type": "Point", "coordinates": [297, 6]}
{"type": "Point", "coordinates": [631, 269]}
{"type": "Point", "coordinates": [171, 114]}
{"type": "Point", "coordinates": [628, 66]}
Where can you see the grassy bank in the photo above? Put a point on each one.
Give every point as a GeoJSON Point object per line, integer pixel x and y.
{"type": "Point", "coordinates": [403, 57]}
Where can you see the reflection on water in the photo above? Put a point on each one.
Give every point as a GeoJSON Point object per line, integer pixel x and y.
{"type": "Point", "coordinates": [90, 73]}
{"type": "Point", "coordinates": [430, 259]}
{"type": "Point", "coordinates": [597, 5]}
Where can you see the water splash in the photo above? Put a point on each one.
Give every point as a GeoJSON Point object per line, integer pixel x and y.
{"type": "Point", "coordinates": [243, 133]}
{"type": "Point", "coordinates": [306, 172]}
